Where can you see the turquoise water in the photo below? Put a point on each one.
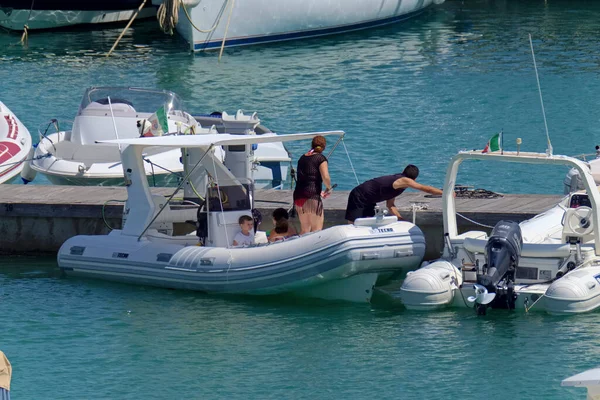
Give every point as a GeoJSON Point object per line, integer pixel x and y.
{"type": "Point", "coordinates": [417, 93]}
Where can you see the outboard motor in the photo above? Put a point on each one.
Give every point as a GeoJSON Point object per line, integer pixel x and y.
{"type": "Point", "coordinates": [495, 281]}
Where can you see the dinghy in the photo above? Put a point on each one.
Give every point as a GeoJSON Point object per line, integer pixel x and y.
{"type": "Point", "coordinates": [15, 144]}
{"type": "Point", "coordinates": [73, 157]}
{"type": "Point", "coordinates": [550, 262]}
{"type": "Point", "coordinates": [338, 263]}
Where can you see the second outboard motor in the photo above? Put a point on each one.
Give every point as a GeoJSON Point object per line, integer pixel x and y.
{"type": "Point", "coordinates": [497, 276]}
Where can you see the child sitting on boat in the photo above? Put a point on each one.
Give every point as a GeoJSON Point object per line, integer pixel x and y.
{"type": "Point", "coordinates": [245, 237]}
{"type": "Point", "coordinates": [282, 228]}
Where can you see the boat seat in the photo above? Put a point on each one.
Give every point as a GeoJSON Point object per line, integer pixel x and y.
{"type": "Point", "coordinates": [95, 108]}
{"type": "Point", "coordinates": [87, 154]}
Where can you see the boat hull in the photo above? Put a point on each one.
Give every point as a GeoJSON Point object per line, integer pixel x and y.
{"type": "Point", "coordinates": [289, 20]}
{"type": "Point", "coordinates": [62, 171]}
{"type": "Point", "coordinates": [15, 144]}
{"type": "Point", "coordinates": [16, 19]}
{"type": "Point", "coordinates": [339, 263]}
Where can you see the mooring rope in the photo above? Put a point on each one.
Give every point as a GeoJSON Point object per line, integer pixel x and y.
{"type": "Point", "coordinates": [26, 160]}
{"type": "Point", "coordinates": [474, 222]}
{"type": "Point", "coordinates": [211, 28]}
{"type": "Point", "coordinates": [135, 14]}
{"type": "Point", "coordinates": [168, 15]}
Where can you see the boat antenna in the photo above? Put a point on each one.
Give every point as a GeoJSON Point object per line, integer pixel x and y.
{"type": "Point", "coordinates": [113, 121]}
{"type": "Point", "coordinates": [549, 149]}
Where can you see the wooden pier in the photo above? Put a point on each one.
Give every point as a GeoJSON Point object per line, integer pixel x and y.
{"type": "Point", "coordinates": [39, 218]}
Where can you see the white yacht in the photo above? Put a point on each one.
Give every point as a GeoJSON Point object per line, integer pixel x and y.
{"type": "Point", "coordinates": [207, 25]}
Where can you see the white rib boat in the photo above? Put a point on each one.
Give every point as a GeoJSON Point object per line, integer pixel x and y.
{"type": "Point", "coordinates": [207, 25]}
{"type": "Point", "coordinates": [340, 263]}
{"type": "Point", "coordinates": [551, 262]}
{"type": "Point", "coordinates": [73, 157]}
{"type": "Point", "coordinates": [15, 144]}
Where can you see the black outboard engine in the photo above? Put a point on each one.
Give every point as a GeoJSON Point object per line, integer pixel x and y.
{"type": "Point", "coordinates": [503, 250]}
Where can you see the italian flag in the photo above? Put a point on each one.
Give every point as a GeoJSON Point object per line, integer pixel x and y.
{"type": "Point", "coordinates": [160, 124]}
{"type": "Point", "coordinates": [494, 144]}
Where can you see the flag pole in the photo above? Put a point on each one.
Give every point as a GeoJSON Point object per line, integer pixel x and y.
{"type": "Point", "coordinates": [112, 114]}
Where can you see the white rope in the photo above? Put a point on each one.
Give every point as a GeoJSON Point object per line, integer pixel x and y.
{"type": "Point", "coordinates": [474, 222]}
{"type": "Point", "coordinates": [216, 22]}
{"type": "Point", "coordinates": [168, 15]}
{"type": "Point", "coordinates": [26, 160]}
{"type": "Point", "coordinates": [534, 303]}
{"type": "Point", "coordinates": [226, 29]}
{"type": "Point", "coordinates": [350, 160]}
{"type": "Point", "coordinates": [135, 14]}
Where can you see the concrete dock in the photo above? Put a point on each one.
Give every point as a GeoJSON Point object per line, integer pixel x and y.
{"type": "Point", "coordinates": [39, 218]}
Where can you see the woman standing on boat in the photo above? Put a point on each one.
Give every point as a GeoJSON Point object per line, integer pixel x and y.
{"type": "Point", "coordinates": [312, 172]}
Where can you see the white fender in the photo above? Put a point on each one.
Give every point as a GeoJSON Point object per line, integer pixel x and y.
{"type": "Point", "coordinates": [28, 174]}
{"type": "Point", "coordinates": [431, 287]}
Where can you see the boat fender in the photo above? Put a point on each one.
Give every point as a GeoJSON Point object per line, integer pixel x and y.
{"type": "Point", "coordinates": [27, 173]}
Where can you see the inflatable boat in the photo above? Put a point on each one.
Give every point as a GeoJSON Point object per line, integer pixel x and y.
{"type": "Point", "coordinates": [550, 262]}
{"type": "Point", "coordinates": [339, 263]}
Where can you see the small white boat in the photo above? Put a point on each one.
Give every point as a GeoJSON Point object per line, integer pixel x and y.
{"type": "Point", "coordinates": [73, 157]}
{"type": "Point", "coordinates": [341, 262]}
{"type": "Point", "coordinates": [15, 144]}
{"type": "Point", "coordinates": [209, 25]}
{"type": "Point", "coordinates": [48, 14]}
{"type": "Point", "coordinates": [550, 262]}
{"type": "Point", "coordinates": [589, 379]}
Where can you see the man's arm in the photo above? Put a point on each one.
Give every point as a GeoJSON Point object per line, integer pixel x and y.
{"type": "Point", "coordinates": [390, 204]}
{"type": "Point", "coordinates": [409, 183]}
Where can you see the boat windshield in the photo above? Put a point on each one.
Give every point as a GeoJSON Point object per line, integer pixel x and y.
{"type": "Point", "coordinates": [229, 196]}
{"type": "Point", "coordinates": [136, 99]}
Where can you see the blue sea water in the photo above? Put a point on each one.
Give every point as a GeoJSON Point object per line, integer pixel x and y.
{"type": "Point", "coordinates": [412, 93]}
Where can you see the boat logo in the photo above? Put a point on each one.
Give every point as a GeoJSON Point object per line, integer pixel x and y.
{"type": "Point", "coordinates": [381, 230]}
{"type": "Point", "coordinates": [13, 127]}
{"type": "Point", "coordinates": [597, 277]}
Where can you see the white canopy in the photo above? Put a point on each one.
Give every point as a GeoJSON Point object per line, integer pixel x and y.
{"type": "Point", "coordinates": [215, 139]}
{"type": "Point", "coordinates": [590, 377]}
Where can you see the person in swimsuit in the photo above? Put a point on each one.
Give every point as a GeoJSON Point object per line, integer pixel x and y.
{"type": "Point", "coordinates": [312, 172]}
{"type": "Point", "coordinates": [364, 197]}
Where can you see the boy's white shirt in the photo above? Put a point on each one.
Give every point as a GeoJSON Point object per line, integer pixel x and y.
{"type": "Point", "coordinates": [243, 240]}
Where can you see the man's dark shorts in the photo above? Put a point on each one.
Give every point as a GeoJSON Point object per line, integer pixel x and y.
{"type": "Point", "coordinates": [357, 208]}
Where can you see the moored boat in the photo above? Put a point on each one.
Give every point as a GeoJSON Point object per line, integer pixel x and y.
{"type": "Point", "coordinates": [550, 262]}
{"type": "Point", "coordinates": [48, 14]}
{"type": "Point", "coordinates": [210, 25]}
{"type": "Point", "coordinates": [15, 144]}
{"type": "Point", "coordinates": [341, 262]}
{"type": "Point", "coordinates": [73, 157]}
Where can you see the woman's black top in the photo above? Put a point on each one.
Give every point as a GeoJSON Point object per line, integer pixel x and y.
{"type": "Point", "coordinates": [378, 189]}
{"type": "Point", "coordinates": [309, 183]}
